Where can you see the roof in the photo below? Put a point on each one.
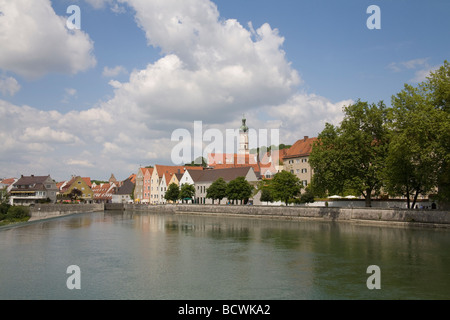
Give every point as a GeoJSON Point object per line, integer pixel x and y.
{"type": "Point", "coordinates": [126, 188]}
{"type": "Point", "coordinates": [31, 183]}
{"type": "Point", "coordinates": [103, 191]}
{"type": "Point", "coordinates": [162, 170]}
{"type": "Point", "coordinates": [64, 186]}
{"type": "Point", "coordinates": [302, 148]}
{"type": "Point", "coordinates": [233, 160]}
{"type": "Point", "coordinates": [227, 174]}
{"type": "Point", "coordinates": [132, 178]}
{"type": "Point", "coordinates": [8, 181]}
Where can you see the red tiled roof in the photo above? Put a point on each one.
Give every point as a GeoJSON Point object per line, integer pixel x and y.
{"type": "Point", "coordinates": [301, 148]}
{"type": "Point", "coordinates": [173, 169]}
{"type": "Point", "coordinates": [8, 181]}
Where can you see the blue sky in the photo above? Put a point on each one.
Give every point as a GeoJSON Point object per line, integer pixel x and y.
{"type": "Point", "coordinates": [107, 98]}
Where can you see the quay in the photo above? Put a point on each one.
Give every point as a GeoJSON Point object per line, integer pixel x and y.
{"type": "Point", "coordinates": [391, 216]}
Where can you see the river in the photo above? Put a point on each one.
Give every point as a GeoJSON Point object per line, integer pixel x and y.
{"type": "Point", "coordinates": [127, 255]}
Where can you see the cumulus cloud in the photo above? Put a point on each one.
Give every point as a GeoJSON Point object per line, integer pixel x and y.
{"type": "Point", "coordinates": [211, 66]}
{"type": "Point", "coordinates": [9, 86]}
{"type": "Point", "coordinates": [36, 42]}
{"type": "Point", "coordinates": [211, 70]}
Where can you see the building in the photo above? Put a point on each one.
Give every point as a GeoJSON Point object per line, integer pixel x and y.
{"type": "Point", "coordinates": [32, 189]}
{"type": "Point", "coordinates": [143, 185]}
{"type": "Point", "coordinates": [162, 177]}
{"type": "Point", "coordinates": [202, 180]}
{"type": "Point", "coordinates": [103, 192]}
{"type": "Point", "coordinates": [296, 160]}
{"type": "Point", "coordinates": [125, 192]}
{"type": "Point", "coordinates": [81, 183]}
{"type": "Point", "coordinates": [264, 165]}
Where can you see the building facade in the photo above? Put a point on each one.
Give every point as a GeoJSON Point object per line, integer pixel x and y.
{"type": "Point", "coordinates": [32, 189]}
{"type": "Point", "coordinates": [296, 160]}
{"type": "Point", "coordinates": [204, 179]}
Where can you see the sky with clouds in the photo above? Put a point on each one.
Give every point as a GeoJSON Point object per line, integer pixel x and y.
{"type": "Point", "coordinates": [106, 98]}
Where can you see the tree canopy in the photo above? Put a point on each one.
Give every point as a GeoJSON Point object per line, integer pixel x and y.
{"type": "Point", "coordinates": [172, 193]}
{"type": "Point", "coordinates": [239, 189]}
{"type": "Point", "coordinates": [217, 190]}
{"type": "Point", "coordinates": [403, 150]}
{"type": "Point", "coordinates": [187, 191]}
{"type": "Point", "coordinates": [285, 186]}
{"type": "Point", "coordinates": [350, 158]}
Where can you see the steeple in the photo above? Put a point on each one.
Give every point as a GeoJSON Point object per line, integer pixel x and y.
{"type": "Point", "coordinates": [244, 127]}
{"type": "Point", "coordinates": [243, 137]}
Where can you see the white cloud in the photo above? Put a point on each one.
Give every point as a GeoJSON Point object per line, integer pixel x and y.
{"type": "Point", "coordinates": [48, 135]}
{"type": "Point", "coordinates": [420, 66]}
{"type": "Point", "coordinates": [211, 70]}
{"type": "Point", "coordinates": [421, 75]}
{"type": "Point", "coordinates": [114, 72]}
{"type": "Point", "coordinates": [305, 115]}
{"type": "Point", "coordinates": [9, 86]}
{"type": "Point", "coordinates": [80, 163]}
{"type": "Point", "coordinates": [212, 66]}
{"type": "Point", "coordinates": [36, 42]}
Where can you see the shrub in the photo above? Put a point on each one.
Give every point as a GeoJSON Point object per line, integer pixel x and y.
{"type": "Point", "coordinates": [18, 212]}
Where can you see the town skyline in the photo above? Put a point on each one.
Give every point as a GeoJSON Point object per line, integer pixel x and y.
{"type": "Point", "coordinates": [107, 97]}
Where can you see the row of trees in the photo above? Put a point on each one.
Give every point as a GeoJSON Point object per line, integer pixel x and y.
{"type": "Point", "coordinates": [401, 150]}
{"type": "Point", "coordinates": [284, 186]}
{"type": "Point", "coordinates": [235, 190]}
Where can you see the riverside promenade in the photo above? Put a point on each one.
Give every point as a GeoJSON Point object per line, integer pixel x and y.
{"type": "Point", "coordinates": [401, 217]}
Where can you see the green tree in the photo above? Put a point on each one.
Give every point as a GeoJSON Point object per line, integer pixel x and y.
{"type": "Point", "coordinates": [266, 195]}
{"type": "Point", "coordinates": [172, 193]}
{"type": "Point", "coordinates": [307, 196]}
{"type": "Point", "coordinates": [350, 158]}
{"type": "Point", "coordinates": [285, 186]}
{"type": "Point", "coordinates": [75, 194]}
{"type": "Point", "coordinates": [187, 191]}
{"type": "Point", "coordinates": [239, 189]}
{"type": "Point", "coordinates": [437, 87]}
{"type": "Point", "coordinates": [417, 154]}
{"type": "Point", "coordinates": [217, 190]}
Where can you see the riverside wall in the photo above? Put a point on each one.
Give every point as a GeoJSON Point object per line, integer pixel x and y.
{"type": "Point", "coordinates": [393, 216]}
{"type": "Point", "coordinates": [47, 211]}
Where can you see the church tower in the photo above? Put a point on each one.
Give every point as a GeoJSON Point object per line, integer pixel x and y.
{"type": "Point", "coordinates": [243, 138]}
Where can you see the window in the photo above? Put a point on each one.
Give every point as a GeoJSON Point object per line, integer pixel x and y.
{"type": "Point", "coordinates": [292, 171]}
{"type": "Point", "coordinates": [298, 161]}
{"type": "Point", "coordinates": [305, 183]}
{"type": "Point", "coordinates": [304, 170]}
{"type": "Point", "coordinates": [298, 170]}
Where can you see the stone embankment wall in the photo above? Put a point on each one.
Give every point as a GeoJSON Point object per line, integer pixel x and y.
{"type": "Point", "coordinates": [361, 215]}
{"type": "Point", "coordinates": [46, 211]}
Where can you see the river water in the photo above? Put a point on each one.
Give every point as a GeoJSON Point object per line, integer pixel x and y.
{"type": "Point", "coordinates": [126, 255]}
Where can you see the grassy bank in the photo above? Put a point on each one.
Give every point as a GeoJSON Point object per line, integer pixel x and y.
{"type": "Point", "coordinates": [13, 214]}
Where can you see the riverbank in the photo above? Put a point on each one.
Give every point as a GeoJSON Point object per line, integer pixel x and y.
{"type": "Point", "coordinates": [428, 218]}
{"type": "Point", "coordinates": [47, 211]}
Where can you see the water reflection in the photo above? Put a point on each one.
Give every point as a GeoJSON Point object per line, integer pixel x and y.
{"type": "Point", "coordinates": [130, 255]}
